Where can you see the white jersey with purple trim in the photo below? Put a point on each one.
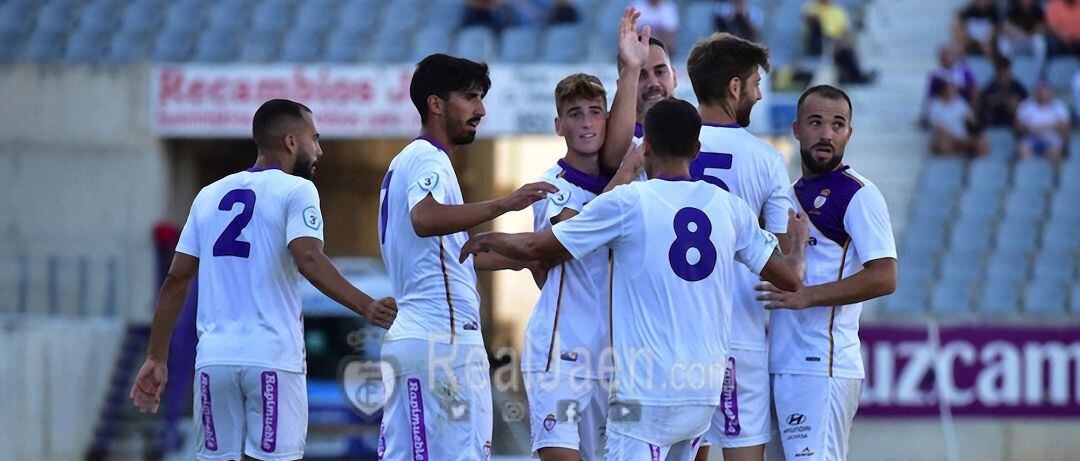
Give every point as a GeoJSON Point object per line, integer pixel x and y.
{"type": "Point", "coordinates": [849, 226]}
{"type": "Point", "coordinates": [240, 228]}
{"type": "Point", "coordinates": [674, 246]}
{"type": "Point", "coordinates": [754, 171]}
{"type": "Point", "coordinates": [567, 332]}
{"type": "Point", "coordinates": [436, 295]}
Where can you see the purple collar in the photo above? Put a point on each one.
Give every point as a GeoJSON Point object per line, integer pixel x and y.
{"type": "Point", "coordinates": [825, 176]}
{"type": "Point", "coordinates": [594, 184]}
{"type": "Point", "coordinates": [434, 142]}
{"type": "Point", "coordinates": [722, 125]}
{"type": "Point", "coordinates": [639, 130]}
{"type": "Point", "coordinates": [257, 169]}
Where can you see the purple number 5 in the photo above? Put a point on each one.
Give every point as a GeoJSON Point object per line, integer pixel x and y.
{"type": "Point", "coordinates": [227, 244]}
{"type": "Point", "coordinates": [711, 160]}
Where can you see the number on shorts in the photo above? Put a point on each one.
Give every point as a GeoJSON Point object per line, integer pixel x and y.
{"type": "Point", "coordinates": [692, 232]}
{"type": "Point", "coordinates": [228, 244]}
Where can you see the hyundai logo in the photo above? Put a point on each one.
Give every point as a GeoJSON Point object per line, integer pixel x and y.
{"type": "Point", "coordinates": [796, 419]}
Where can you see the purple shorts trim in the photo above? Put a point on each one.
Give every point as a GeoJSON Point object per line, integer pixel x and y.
{"type": "Point", "coordinates": [209, 434]}
{"type": "Point", "coordinates": [416, 420]}
{"type": "Point", "coordinates": [270, 411]}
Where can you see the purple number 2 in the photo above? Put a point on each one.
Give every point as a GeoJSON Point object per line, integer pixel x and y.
{"type": "Point", "coordinates": [227, 244]}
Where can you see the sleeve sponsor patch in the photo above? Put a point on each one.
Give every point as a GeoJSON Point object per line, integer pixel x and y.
{"type": "Point", "coordinates": [428, 181]}
{"type": "Point", "coordinates": [312, 218]}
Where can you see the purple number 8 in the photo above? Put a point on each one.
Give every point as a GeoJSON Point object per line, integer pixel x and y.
{"type": "Point", "coordinates": [692, 231]}
{"type": "Point", "coordinates": [227, 244]}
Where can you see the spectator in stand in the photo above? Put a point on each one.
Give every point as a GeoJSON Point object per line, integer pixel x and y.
{"type": "Point", "coordinates": [953, 124]}
{"type": "Point", "coordinates": [976, 26]}
{"type": "Point", "coordinates": [739, 18]}
{"type": "Point", "coordinates": [1001, 97]}
{"type": "Point", "coordinates": [494, 14]}
{"type": "Point", "coordinates": [951, 69]}
{"type": "Point", "coordinates": [1043, 123]}
{"type": "Point", "coordinates": [663, 17]}
{"type": "Point", "coordinates": [563, 12]}
{"type": "Point", "coordinates": [1063, 19]}
{"type": "Point", "coordinates": [1024, 30]}
{"type": "Point", "coordinates": [827, 20]}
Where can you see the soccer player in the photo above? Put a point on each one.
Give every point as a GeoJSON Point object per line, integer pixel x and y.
{"type": "Point", "coordinates": [439, 397]}
{"type": "Point", "coordinates": [814, 355]}
{"type": "Point", "coordinates": [249, 237]}
{"type": "Point", "coordinates": [674, 243]}
{"type": "Point", "coordinates": [724, 71]}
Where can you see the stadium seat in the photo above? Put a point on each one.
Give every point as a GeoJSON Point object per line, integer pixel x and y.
{"type": "Point", "coordinates": [142, 17]}
{"type": "Point", "coordinates": [697, 23]}
{"type": "Point", "coordinates": [1027, 70]}
{"type": "Point", "coordinates": [184, 17]}
{"type": "Point", "coordinates": [518, 45]}
{"type": "Point", "coordinates": [908, 297]}
{"type": "Point", "coordinates": [86, 47]}
{"type": "Point", "coordinates": [173, 46]}
{"type": "Point", "coordinates": [970, 237]}
{"type": "Point", "coordinates": [999, 297]}
{"type": "Point", "coordinates": [229, 15]}
{"type": "Point", "coordinates": [260, 47]}
{"type": "Point", "coordinates": [961, 265]}
{"type": "Point", "coordinates": [391, 46]}
{"type": "Point", "coordinates": [359, 16]}
{"type": "Point", "coordinates": [979, 206]}
{"type": "Point", "coordinates": [562, 44]}
{"type": "Point", "coordinates": [1017, 236]}
{"type": "Point", "coordinates": [316, 17]}
{"type": "Point", "coordinates": [476, 43]}
{"type": "Point", "coordinates": [1035, 175]}
{"type": "Point", "coordinates": [1044, 297]}
{"type": "Point", "coordinates": [1060, 71]}
{"type": "Point", "coordinates": [1006, 267]}
{"type": "Point", "coordinates": [1054, 267]}
{"type": "Point", "coordinates": [44, 46]}
{"type": "Point", "coordinates": [1025, 206]}
{"type": "Point", "coordinates": [1059, 237]}
{"type": "Point", "coordinates": [54, 18]}
{"type": "Point", "coordinates": [217, 45]}
{"type": "Point", "coordinates": [444, 14]}
{"type": "Point", "coordinates": [941, 176]}
{"type": "Point", "coordinates": [982, 68]}
{"type": "Point", "coordinates": [13, 19]}
{"type": "Point", "coordinates": [127, 46]}
{"type": "Point", "coordinates": [606, 26]}
{"type": "Point", "coordinates": [430, 41]}
{"type": "Point", "coordinates": [344, 46]}
{"type": "Point", "coordinates": [924, 239]}
{"type": "Point", "coordinates": [1074, 299]}
{"type": "Point", "coordinates": [951, 297]}
{"type": "Point", "coordinates": [988, 176]}
{"type": "Point", "coordinates": [300, 47]}
{"type": "Point", "coordinates": [401, 16]}
{"type": "Point", "coordinates": [100, 16]}
{"type": "Point", "coordinates": [271, 16]}
{"type": "Point", "coordinates": [10, 46]}
{"type": "Point", "coordinates": [933, 211]}
{"type": "Point", "coordinates": [1064, 208]}
{"type": "Point", "coordinates": [1070, 173]}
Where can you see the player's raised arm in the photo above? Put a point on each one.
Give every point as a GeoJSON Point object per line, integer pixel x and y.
{"type": "Point", "coordinates": [150, 382]}
{"type": "Point", "coordinates": [522, 246]}
{"type": "Point", "coordinates": [878, 278]}
{"type": "Point", "coordinates": [786, 269]}
{"type": "Point", "coordinates": [314, 265]}
{"type": "Point", "coordinates": [431, 218]}
{"type": "Point", "coordinates": [633, 52]}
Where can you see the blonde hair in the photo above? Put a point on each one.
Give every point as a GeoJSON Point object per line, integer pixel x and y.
{"type": "Point", "coordinates": [576, 86]}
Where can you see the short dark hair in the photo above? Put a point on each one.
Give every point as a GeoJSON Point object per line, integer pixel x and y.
{"type": "Point", "coordinates": [718, 58]}
{"type": "Point", "coordinates": [672, 127]}
{"type": "Point", "coordinates": [270, 121]}
{"type": "Point", "coordinates": [653, 41]}
{"type": "Point", "coordinates": [827, 92]}
{"type": "Point", "coordinates": [576, 86]}
{"type": "Point", "coordinates": [440, 75]}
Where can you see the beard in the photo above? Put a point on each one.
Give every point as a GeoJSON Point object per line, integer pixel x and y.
{"type": "Point", "coordinates": [817, 167]}
{"type": "Point", "coordinates": [463, 136]}
{"type": "Point", "coordinates": [742, 113]}
{"type": "Point", "coordinates": [303, 168]}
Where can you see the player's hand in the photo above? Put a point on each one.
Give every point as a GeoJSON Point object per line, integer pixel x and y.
{"type": "Point", "coordinates": [527, 195]}
{"type": "Point", "coordinates": [539, 271]}
{"type": "Point", "coordinates": [633, 50]}
{"type": "Point", "coordinates": [476, 245]}
{"type": "Point", "coordinates": [798, 228]}
{"type": "Point", "coordinates": [149, 385]}
{"type": "Point", "coordinates": [776, 298]}
{"type": "Point", "coordinates": [382, 312]}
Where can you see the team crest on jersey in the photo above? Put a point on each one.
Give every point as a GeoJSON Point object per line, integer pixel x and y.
{"type": "Point", "coordinates": [429, 181]}
{"type": "Point", "coordinates": [820, 200]}
{"type": "Point", "coordinates": [549, 422]}
{"type": "Point", "coordinates": [561, 197]}
{"type": "Point", "coordinates": [365, 385]}
{"type": "Point", "coordinates": [312, 218]}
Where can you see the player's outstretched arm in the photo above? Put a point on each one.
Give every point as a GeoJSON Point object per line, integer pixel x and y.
{"type": "Point", "coordinates": [150, 382]}
{"type": "Point", "coordinates": [633, 52]}
{"type": "Point", "coordinates": [314, 265]}
{"type": "Point", "coordinates": [497, 262]}
{"type": "Point", "coordinates": [786, 269]}
{"type": "Point", "coordinates": [630, 169]}
{"type": "Point", "coordinates": [878, 278]}
{"type": "Point", "coordinates": [526, 246]}
{"type": "Point", "coordinates": [431, 218]}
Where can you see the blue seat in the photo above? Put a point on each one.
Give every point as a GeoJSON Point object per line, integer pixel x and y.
{"type": "Point", "coordinates": [173, 46]}
{"type": "Point", "coordinates": [444, 12]}
{"type": "Point", "coordinates": [10, 46]}
{"type": "Point", "coordinates": [142, 17]}
{"type": "Point", "coordinates": [697, 23]}
{"type": "Point", "coordinates": [401, 16]}
{"type": "Point", "coordinates": [942, 176]}
{"type": "Point", "coordinates": [1017, 236]}
{"type": "Point", "coordinates": [229, 15]}
{"type": "Point", "coordinates": [951, 298]}
{"type": "Point", "coordinates": [1060, 71]}
{"type": "Point", "coordinates": [1036, 175]}
{"type": "Point", "coordinates": [86, 47]}
{"type": "Point", "coordinates": [1070, 170]}
{"type": "Point", "coordinates": [217, 45]}
{"type": "Point", "coordinates": [982, 68]}
{"type": "Point", "coordinates": [1054, 267]}
{"type": "Point", "coordinates": [429, 41]}
{"type": "Point", "coordinates": [44, 46]}
{"type": "Point", "coordinates": [936, 211]}
{"type": "Point", "coordinates": [979, 206]}
{"type": "Point", "coordinates": [1045, 297]}
{"type": "Point", "coordinates": [15, 19]}
{"type": "Point", "coordinates": [1002, 143]}
{"type": "Point", "coordinates": [988, 176]}
{"type": "Point", "coordinates": [343, 46]}
{"type": "Point", "coordinates": [924, 239]}
{"type": "Point", "coordinates": [184, 17]}
{"type": "Point", "coordinates": [1074, 299]}
{"type": "Point", "coordinates": [260, 47]}
{"type": "Point", "coordinates": [359, 16]}
{"type": "Point", "coordinates": [271, 16]}
{"type": "Point", "coordinates": [1005, 267]}
{"type": "Point", "coordinates": [561, 44]}
{"type": "Point", "coordinates": [961, 265]}
{"type": "Point", "coordinates": [300, 47]}
{"type": "Point", "coordinates": [1027, 70]}
{"type": "Point", "coordinates": [969, 237]}
{"type": "Point", "coordinates": [54, 18]}
{"type": "Point", "coordinates": [908, 298]}
{"type": "Point", "coordinates": [100, 16]}
{"type": "Point", "coordinates": [391, 46]}
{"type": "Point", "coordinates": [476, 43]}
{"type": "Point", "coordinates": [519, 45]}
{"type": "Point", "coordinates": [999, 298]}
{"type": "Point", "coordinates": [128, 46]}
{"type": "Point", "coordinates": [1063, 208]}
{"type": "Point", "coordinates": [1059, 237]}
{"type": "Point", "coordinates": [1024, 205]}
{"type": "Point", "coordinates": [316, 17]}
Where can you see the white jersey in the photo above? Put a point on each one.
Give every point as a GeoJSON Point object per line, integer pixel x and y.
{"type": "Point", "coordinates": [754, 171]}
{"type": "Point", "coordinates": [436, 295]}
{"type": "Point", "coordinates": [849, 226]}
{"type": "Point", "coordinates": [674, 245]}
{"type": "Point", "coordinates": [240, 228]}
{"type": "Point", "coordinates": [568, 330]}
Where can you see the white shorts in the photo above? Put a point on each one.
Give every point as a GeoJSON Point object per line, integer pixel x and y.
{"type": "Point", "coordinates": [436, 411]}
{"type": "Point", "coordinates": [742, 419]}
{"type": "Point", "coordinates": [814, 415]}
{"type": "Point", "coordinates": [567, 412]}
{"type": "Point", "coordinates": [657, 433]}
{"type": "Point", "coordinates": [253, 411]}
